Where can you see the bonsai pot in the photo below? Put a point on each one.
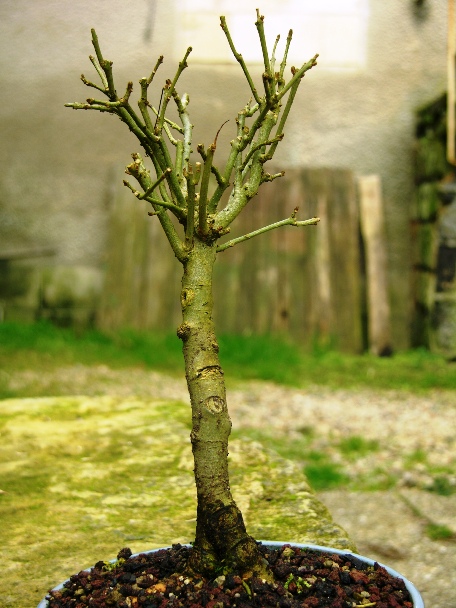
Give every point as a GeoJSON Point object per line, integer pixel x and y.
{"type": "Point", "coordinates": [414, 593]}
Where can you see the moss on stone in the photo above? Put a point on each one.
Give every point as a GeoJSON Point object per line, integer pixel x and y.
{"type": "Point", "coordinates": [82, 477]}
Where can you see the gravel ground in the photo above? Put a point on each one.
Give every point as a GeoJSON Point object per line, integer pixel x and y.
{"type": "Point", "coordinates": [389, 526]}
{"type": "Point", "coordinates": [415, 439]}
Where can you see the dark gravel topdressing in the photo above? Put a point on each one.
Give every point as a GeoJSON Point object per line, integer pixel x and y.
{"type": "Point", "coordinates": [303, 578]}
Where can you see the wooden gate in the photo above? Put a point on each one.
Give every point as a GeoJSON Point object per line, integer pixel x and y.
{"type": "Point", "coordinates": [305, 283]}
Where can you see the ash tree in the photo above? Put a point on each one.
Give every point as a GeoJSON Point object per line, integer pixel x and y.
{"type": "Point", "coordinates": [180, 186]}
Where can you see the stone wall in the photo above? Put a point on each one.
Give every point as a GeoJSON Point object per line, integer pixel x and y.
{"type": "Point", "coordinates": [434, 231]}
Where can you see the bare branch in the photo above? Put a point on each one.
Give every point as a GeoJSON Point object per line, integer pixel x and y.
{"type": "Point", "coordinates": [177, 211]}
{"type": "Point", "coordinates": [154, 71]}
{"type": "Point", "coordinates": [298, 75]}
{"type": "Point", "coordinates": [155, 184]}
{"type": "Point", "coordinates": [291, 221]}
{"type": "Point", "coordinates": [187, 127]}
{"type": "Point", "coordinates": [105, 65]}
{"type": "Point", "coordinates": [102, 102]}
{"type": "Point", "coordinates": [96, 46]}
{"type": "Point", "coordinates": [91, 84]}
{"type": "Point", "coordinates": [273, 57]}
{"type": "Point", "coordinates": [100, 72]}
{"type": "Point", "coordinates": [283, 119]}
{"type": "Point", "coordinates": [143, 102]}
{"type": "Point", "coordinates": [267, 177]}
{"type": "Point", "coordinates": [283, 65]}
{"type": "Point", "coordinates": [139, 171]}
{"type": "Point", "coordinates": [189, 228]}
{"type": "Point", "coordinates": [258, 146]}
{"type": "Point", "coordinates": [176, 179]}
{"type": "Point", "coordinates": [169, 122]}
{"type": "Point", "coordinates": [204, 189]}
{"type": "Point", "coordinates": [87, 106]}
{"type": "Point", "coordinates": [239, 58]}
{"type": "Point", "coordinates": [267, 76]}
{"type": "Point", "coordinates": [168, 91]}
{"type": "Point", "coordinates": [218, 176]}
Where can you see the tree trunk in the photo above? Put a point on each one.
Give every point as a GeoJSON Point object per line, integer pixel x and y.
{"type": "Point", "coordinates": [221, 537]}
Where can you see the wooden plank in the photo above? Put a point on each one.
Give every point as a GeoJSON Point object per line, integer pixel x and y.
{"type": "Point", "coordinates": [323, 270]}
{"type": "Point", "coordinates": [451, 49]}
{"type": "Point", "coordinates": [301, 283]}
{"type": "Point", "coordinates": [373, 233]}
{"type": "Point", "coordinates": [343, 219]}
{"type": "Point", "coordinates": [142, 282]}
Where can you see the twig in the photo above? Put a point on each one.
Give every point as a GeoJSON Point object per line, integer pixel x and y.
{"type": "Point", "coordinates": [218, 176]}
{"type": "Point", "coordinates": [283, 119]}
{"type": "Point", "coordinates": [169, 122]}
{"type": "Point", "coordinates": [92, 84]}
{"type": "Point", "coordinates": [190, 226]}
{"type": "Point", "coordinates": [267, 76]}
{"type": "Point", "coordinates": [239, 58]}
{"type": "Point", "coordinates": [268, 177]}
{"type": "Point", "coordinates": [273, 58]}
{"type": "Point", "coordinates": [139, 171]}
{"type": "Point", "coordinates": [154, 71]}
{"type": "Point", "coordinates": [290, 221]}
{"type": "Point", "coordinates": [283, 64]}
{"type": "Point", "coordinates": [105, 65]}
{"type": "Point", "coordinates": [143, 102]}
{"type": "Point", "coordinates": [88, 106]}
{"type": "Point", "coordinates": [187, 127]}
{"type": "Point", "coordinates": [100, 72]}
{"type": "Point", "coordinates": [155, 184]}
{"type": "Point", "coordinates": [204, 189]}
{"type": "Point", "coordinates": [168, 90]}
{"type": "Point", "coordinates": [258, 146]}
{"type": "Point", "coordinates": [298, 75]}
{"type": "Point", "coordinates": [178, 212]}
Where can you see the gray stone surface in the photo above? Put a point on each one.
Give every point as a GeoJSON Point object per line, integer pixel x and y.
{"type": "Point", "coordinates": [389, 530]}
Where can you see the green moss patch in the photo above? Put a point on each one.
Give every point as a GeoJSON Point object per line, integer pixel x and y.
{"type": "Point", "coordinates": [82, 477]}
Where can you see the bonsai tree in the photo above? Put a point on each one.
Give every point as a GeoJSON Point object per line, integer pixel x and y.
{"type": "Point", "coordinates": [180, 186]}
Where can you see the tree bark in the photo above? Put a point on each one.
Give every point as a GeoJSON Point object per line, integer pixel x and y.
{"type": "Point", "coordinates": [221, 537]}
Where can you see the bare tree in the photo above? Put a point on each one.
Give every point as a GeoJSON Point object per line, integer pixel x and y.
{"type": "Point", "coordinates": [181, 187]}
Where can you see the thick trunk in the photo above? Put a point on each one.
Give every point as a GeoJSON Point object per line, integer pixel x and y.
{"type": "Point", "coordinates": [221, 537]}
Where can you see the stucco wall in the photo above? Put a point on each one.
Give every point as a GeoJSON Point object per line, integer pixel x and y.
{"type": "Point", "coordinates": [60, 168]}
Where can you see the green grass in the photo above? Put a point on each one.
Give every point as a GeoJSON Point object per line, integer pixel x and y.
{"type": "Point", "coordinates": [325, 475]}
{"type": "Point", "coordinates": [441, 485]}
{"type": "Point", "coordinates": [44, 346]}
{"type": "Point", "coordinates": [354, 447]}
{"type": "Point", "coordinates": [439, 532]}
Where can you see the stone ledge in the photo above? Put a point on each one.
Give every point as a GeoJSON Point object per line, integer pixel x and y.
{"type": "Point", "coordinates": [82, 477]}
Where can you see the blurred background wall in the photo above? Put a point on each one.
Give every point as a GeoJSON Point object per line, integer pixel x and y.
{"type": "Point", "coordinates": [62, 170]}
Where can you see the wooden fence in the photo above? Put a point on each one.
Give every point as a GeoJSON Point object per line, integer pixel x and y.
{"type": "Point", "coordinates": [306, 283]}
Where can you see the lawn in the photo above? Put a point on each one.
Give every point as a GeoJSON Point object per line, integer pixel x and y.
{"type": "Point", "coordinates": [44, 346]}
